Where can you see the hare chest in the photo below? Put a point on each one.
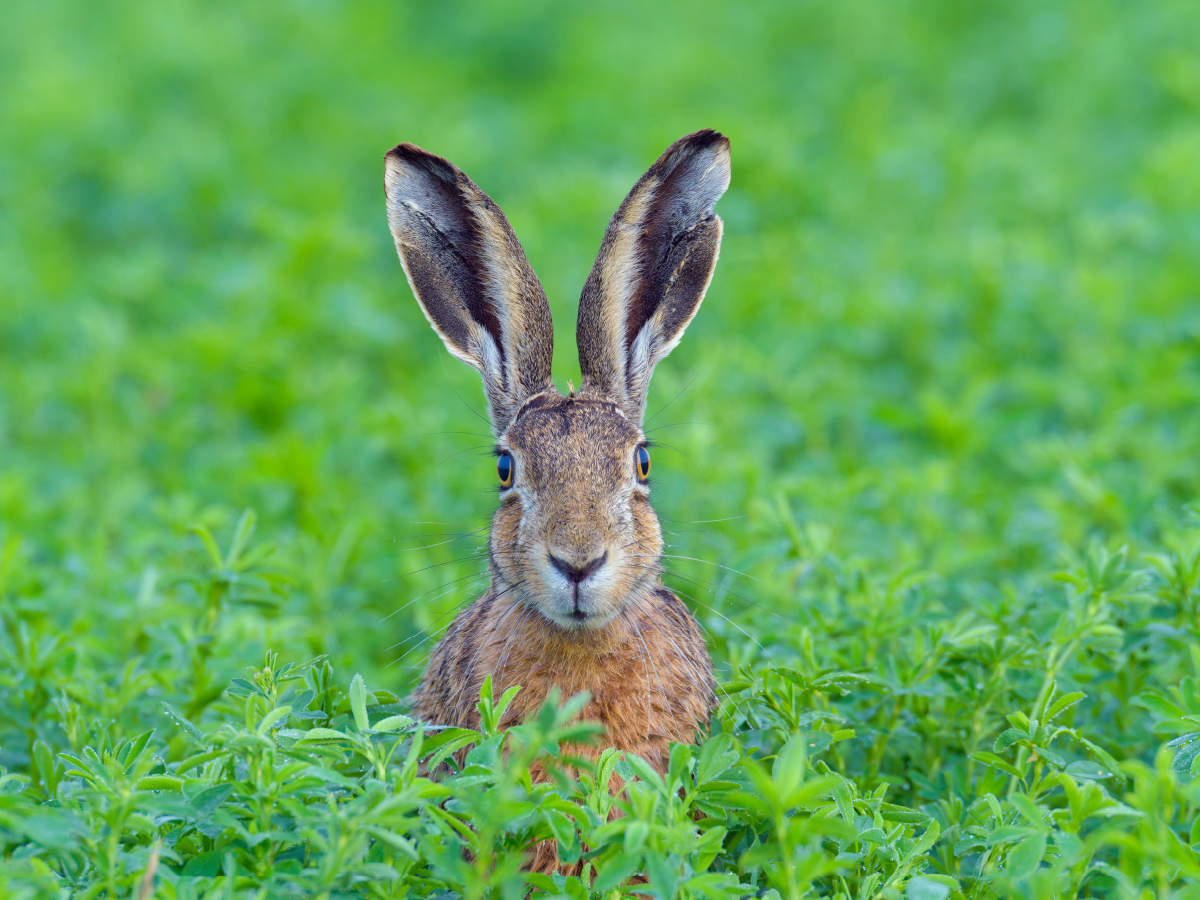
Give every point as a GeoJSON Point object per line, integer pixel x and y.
{"type": "Point", "coordinates": [648, 671]}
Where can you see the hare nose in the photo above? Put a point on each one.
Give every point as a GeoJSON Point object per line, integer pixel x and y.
{"type": "Point", "coordinates": [578, 574]}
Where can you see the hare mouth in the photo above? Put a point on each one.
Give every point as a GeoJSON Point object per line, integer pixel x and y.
{"type": "Point", "coordinates": [577, 607]}
{"type": "Point", "coordinates": [576, 591]}
{"type": "Point", "coordinates": [573, 608]}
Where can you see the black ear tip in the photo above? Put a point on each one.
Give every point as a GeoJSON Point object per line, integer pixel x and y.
{"type": "Point", "coordinates": [706, 144]}
{"type": "Point", "coordinates": [703, 139]}
{"type": "Point", "coordinates": [406, 157]}
{"type": "Point", "coordinates": [405, 152]}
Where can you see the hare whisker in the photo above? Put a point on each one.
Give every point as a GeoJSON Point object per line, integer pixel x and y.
{"type": "Point", "coordinates": [662, 692]}
{"type": "Point", "coordinates": [474, 412]}
{"type": "Point", "coordinates": [439, 543]}
{"type": "Point", "coordinates": [428, 534]}
{"type": "Point", "coordinates": [727, 619]}
{"type": "Point", "coordinates": [436, 566]}
{"type": "Point", "coordinates": [709, 562]}
{"type": "Point", "coordinates": [416, 437]}
{"type": "Point", "coordinates": [701, 521]}
{"type": "Point", "coordinates": [426, 631]}
{"type": "Point", "coordinates": [478, 447]}
{"type": "Point", "coordinates": [719, 688]}
{"type": "Point", "coordinates": [479, 649]}
{"type": "Point", "coordinates": [743, 710]}
{"type": "Point", "coordinates": [429, 634]}
{"type": "Point", "coordinates": [504, 651]}
{"type": "Point", "coordinates": [645, 658]}
{"type": "Point", "coordinates": [662, 408]}
{"type": "Point", "coordinates": [455, 582]}
{"type": "Point", "coordinates": [675, 449]}
{"type": "Point", "coordinates": [676, 425]}
{"type": "Point", "coordinates": [715, 589]}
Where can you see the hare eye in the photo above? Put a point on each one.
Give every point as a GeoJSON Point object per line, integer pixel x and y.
{"type": "Point", "coordinates": [643, 463]}
{"type": "Point", "coordinates": [504, 468]}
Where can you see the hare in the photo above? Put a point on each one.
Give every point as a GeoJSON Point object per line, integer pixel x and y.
{"type": "Point", "coordinates": [575, 599]}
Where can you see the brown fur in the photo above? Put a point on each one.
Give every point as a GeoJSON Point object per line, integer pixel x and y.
{"type": "Point", "coordinates": [648, 671]}
{"type": "Point", "coordinates": [576, 602]}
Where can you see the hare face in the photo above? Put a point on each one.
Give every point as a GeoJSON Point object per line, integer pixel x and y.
{"type": "Point", "coordinates": [575, 535]}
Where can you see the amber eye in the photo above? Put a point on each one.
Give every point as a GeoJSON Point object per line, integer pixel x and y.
{"type": "Point", "coordinates": [642, 458]}
{"type": "Point", "coordinates": [504, 468]}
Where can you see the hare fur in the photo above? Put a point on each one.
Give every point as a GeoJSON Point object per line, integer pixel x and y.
{"type": "Point", "coordinates": [575, 600]}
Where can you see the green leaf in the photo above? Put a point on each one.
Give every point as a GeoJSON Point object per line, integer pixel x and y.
{"type": "Point", "coordinates": [273, 718]}
{"type": "Point", "coordinates": [838, 681]}
{"type": "Point", "coordinates": [1007, 738]}
{"type": "Point", "coordinates": [1050, 756]}
{"type": "Point", "coordinates": [816, 741]}
{"type": "Point", "coordinates": [209, 542]}
{"type": "Point", "coordinates": [240, 687]}
{"type": "Point", "coordinates": [890, 812]}
{"type": "Point", "coordinates": [1062, 704]}
{"type": "Point", "coordinates": [1025, 857]}
{"type": "Point", "coordinates": [1102, 756]}
{"type": "Point", "coordinates": [398, 841]}
{"type": "Point", "coordinates": [358, 702]}
{"type": "Point", "coordinates": [789, 768]}
{"type": "Point", "coordinates": [715, 758]}
{"type": "Point", "coordinates": [636, 832]}
{"type": "Point", "coordinates": [329, 776]}
{"type": "Point", "coordinates": [206, 802]}
{"type": "Point", "coordinates": [646, 772]}
{"type": "Point", "coordinates": [922, 888]}
{"type": "Point", "coordinates": [179, 719]}
{"type": "Point", "coordinates": [1082, 768]}
{"type": "Point", "coordinates": [241, 537]}
{"type": "Point", "coordinates": [565, 834]}
{"type": "Point", "coordinates": [204, 864]}
{"type": "Point", "coordinates": [1188, 751]}
{"type": "Point", "coordinates": [926, 840]}
{"type": "Point", "coordinates": [441, 745]}
{"type": "Point", "coordinates": [991, 759]}
{"type": "Point", "coordinates": [393, 723]}
{"type": "Point", "coordinates": [616, 871]}
{"type": "Point", "coordinates": [324, 734]}
{"type": "Point", "coordinates": [1027, 808]}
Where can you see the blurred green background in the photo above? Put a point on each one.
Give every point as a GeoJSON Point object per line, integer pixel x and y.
{"type": "Point", "coordinates": [955, 326]}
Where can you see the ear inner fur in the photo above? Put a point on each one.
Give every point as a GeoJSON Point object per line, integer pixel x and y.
{"type": "Point", "coordinates": [654, 266]}
{"type": "Point", "coordinates": [470, 276]}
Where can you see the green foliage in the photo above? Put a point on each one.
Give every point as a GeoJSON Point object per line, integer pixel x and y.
{"type": "Point", "coordinates": [926, 462]}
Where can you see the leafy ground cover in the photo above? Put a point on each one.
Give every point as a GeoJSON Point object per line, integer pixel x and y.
{"type": "Point", "coordinates": [927, 457]}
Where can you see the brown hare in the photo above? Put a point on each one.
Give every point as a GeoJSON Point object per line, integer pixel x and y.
{"type": "Point", "coordinates": [576, 599]}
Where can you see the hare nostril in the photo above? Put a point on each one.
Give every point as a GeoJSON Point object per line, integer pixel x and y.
{"type": "Point", "coordinates": [578, 574]}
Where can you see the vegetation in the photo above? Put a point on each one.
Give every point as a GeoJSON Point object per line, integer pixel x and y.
{"type": "Point", "coordinates": [927, 457]}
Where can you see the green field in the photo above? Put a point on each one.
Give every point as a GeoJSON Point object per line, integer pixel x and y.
{"type": "Point", "coordinates": [929, 455]}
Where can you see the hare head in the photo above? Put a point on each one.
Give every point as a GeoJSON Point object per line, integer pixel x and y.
{"type": "Point", "coordinates": [575, 536]}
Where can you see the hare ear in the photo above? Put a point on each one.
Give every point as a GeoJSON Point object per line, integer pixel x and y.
{"type": "Point", "coordinates": [654, 266]}
{"type": "Point", "coordinates": [470, 276]}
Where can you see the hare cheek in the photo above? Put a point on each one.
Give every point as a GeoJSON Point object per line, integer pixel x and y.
{"type": "Point", "coordinates": [507, 540]}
